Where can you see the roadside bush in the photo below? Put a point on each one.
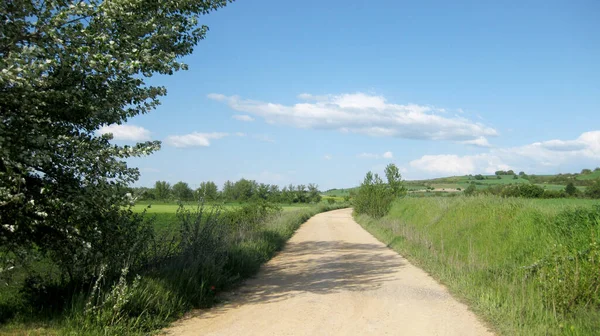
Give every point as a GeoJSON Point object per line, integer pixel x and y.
{"type": "Point", "coordinates": [593, 191]}
{"type": "Point", "coordinates": [375, 197]}
{"type": "Point", "coordinates": [330, 201]}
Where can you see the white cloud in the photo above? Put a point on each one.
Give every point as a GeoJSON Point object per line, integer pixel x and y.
{"type": "Point", "coordinates": [243, 117]}
{"type": "Point", "coordinates": [240, 134]}
{"type": "Point", "coordinates": [327, 157]}
{"type": "Point", "coordinates": [126, 132]}
{"type": "Point", "coordinates": [479, 142]}
{"type": "Point", "coordinates": [386, 155]}
{"type": "Point", "coordinates": [533, 157]}
{"type": "Point", "coordinates": [364, 114]}
{"type": "Point", "coordinates": [217, 96]}
{"type": "Point", "coordinates": [264, 138]}
{"type": "Point", "coordinates": [193, 139]}
{"type": "Point", "coordinates": [459, 165]}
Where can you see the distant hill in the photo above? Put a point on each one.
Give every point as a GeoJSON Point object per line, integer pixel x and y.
{"type": "Point", "coordinates": [589, 176]}
{"type": "Point", "coordinates": [458, 183]}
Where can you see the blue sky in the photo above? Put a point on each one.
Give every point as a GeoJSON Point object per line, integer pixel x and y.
{"type": "Point", "coordinates": [324, 91]}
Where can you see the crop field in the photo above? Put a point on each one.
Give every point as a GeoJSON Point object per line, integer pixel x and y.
{"type": "Point", "coordinates": [453, 183]}
{"type": "Point", "coordinates": [338, 192]}
{"type": "Point", "coordinates": [164, 215]}
{"type": "Point", "coordinates": [171, 208]}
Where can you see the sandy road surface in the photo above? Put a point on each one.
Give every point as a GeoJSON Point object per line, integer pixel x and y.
{"type": "Point", "coordinates": [334, 278]}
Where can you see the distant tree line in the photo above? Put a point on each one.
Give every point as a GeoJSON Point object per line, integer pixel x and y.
{"type": "Point", "coordinates": [527, 190]}
{"type": "Point", "coordinates": [564, 178]}
{"type": "Point", "coordinates": [241, 191]}
{"type": "Point", "coordinates": [504, 172]}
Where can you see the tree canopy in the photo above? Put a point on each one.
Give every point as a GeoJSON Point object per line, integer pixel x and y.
{"type": "Point", "coordinates": [68, 68]}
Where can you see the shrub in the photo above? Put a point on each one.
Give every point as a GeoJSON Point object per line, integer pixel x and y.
{"type": "Point", "coordinates": [470, 190]}
{"type": "Point", "coordinates": [330, 201]}
{"type": "Point", "coordinates": [522, 190]}
{"type": "Point", "coordinates": [554, 194]}
{"type": "Point", "coordinates": [375, 197]}
{"type": "Point", "coordinates": [593, 191]}
{"type": "Point", "coordinates": [570, 189]}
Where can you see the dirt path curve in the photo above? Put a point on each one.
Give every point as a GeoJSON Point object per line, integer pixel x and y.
{"type": "Point", "coordinates": [334, 278]}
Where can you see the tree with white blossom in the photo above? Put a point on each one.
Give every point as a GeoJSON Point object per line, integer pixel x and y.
{"type": "Point", "coordinates": [67, 68]}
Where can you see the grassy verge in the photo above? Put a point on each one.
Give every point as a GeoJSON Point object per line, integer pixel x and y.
{"type": "Point", "coordinates": [528, 267]}
{"type": "Point", "coordinates": [214, 253]}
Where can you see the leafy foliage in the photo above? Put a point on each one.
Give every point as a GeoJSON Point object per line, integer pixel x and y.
{"type": "Point", "coordinates": [162, 190]}
{"type": "Point", "coordinates": [470, 190]}
{"type": "Point", "coordinates": [182, 191]}
{"type": "Point", "coordinates": [66, 70]}
{"type": "Point", "coordinates": [593, 191]}
{"type": "Point", "coordinates": [570, 189]}
{"type": "Point", "coordinates": [375, 197]}
{"type": "Point", "coordinates": [241, 191]}
{"type": "Point", "coordinates": [208, 191]}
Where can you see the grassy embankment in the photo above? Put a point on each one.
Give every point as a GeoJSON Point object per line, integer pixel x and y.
{"type": "Point", "coordinates": [527, 266]}
{"type": "Point", "coordinates": [209, 254]}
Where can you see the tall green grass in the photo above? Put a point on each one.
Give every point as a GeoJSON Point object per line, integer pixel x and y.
{"type": "Point", "coordinates": [528, 267]}
{"type": "Point", "coordinates": [212, 252]}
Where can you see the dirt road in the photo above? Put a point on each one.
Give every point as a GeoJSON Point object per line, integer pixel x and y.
{"type": "Point", "coordinates": [334, 278]}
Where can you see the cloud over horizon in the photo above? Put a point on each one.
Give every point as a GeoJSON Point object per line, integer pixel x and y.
{"type": "Point", "coordinates": [365, 114]}
{"type": "Point", "coordinates": [195, 139]}
{"type": "Point", "coordinates": [551, 153]}
{"type": "Point", "coordinates": [242, 117]}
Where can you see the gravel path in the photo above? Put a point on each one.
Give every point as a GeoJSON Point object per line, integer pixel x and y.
{"type": "Point", "coordinates": [334, 278]}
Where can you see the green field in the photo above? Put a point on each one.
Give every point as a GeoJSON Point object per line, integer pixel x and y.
{"type": "Point", "coordinates": [339, 192]}
{"type": "Point", "coordinates": [172, 208]}
{"type": "Point", "coordinates": [524, 265]}
{"type": "Point", "coordinates": [594, 175]}
{"type": "Point", "coordinates": [453, 183]}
